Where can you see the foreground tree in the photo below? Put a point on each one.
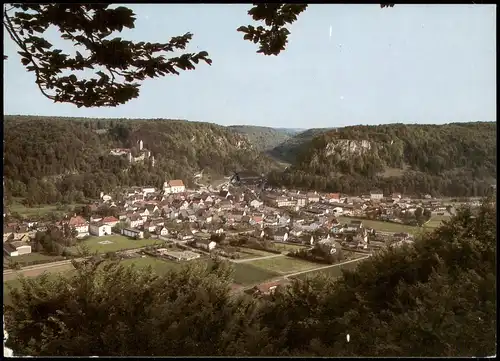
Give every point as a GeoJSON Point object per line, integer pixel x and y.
{"type": "Point", "coordinates": [108, 309]}
{"type": "Point", "coordinates": [120, 65]}
{"type": "Point", "coordinates": [435, 298]}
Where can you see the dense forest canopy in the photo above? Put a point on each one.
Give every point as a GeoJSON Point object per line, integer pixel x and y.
{"type": "Point", "coordinates": [436, 297]}
{"type": "Point", "coordinates": [456, 159]}
{"type": "Point", "coordinates": [49, 160]}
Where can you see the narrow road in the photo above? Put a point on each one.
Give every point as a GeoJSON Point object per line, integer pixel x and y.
{"type": "Point", "coordinates": [255, 259]}
{"type": "Point", "coordinates": [281, 278]}
{"type": "Point", "coordinates": [34, 272]}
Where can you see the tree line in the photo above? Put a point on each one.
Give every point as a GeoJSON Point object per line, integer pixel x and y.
{"type": "Point", "coordinates": [51, 160]}
{"type": "Point", "coordinates": [457, 159]}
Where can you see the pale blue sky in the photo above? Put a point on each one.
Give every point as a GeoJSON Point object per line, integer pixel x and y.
{"type": "Point", "coordinates": [410, 64]}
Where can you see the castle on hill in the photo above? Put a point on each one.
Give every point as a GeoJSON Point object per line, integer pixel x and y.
{"type": "Point", "coordinates": [144, 154]}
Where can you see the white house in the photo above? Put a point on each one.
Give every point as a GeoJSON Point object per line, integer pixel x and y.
{"type": "Point", "coordinates": [80, 225]}
{"type": "Point", "coordinates": [281, 236]}
{"type": "Point", "coordinates": [206, 244]}
{"type": "Point", "coordinates": [136, 221]}
{"type": "Point", "coordinates": [376, 195]}
{"type": "Point", "coordinates": [147, 190]}
{"type": "Point", "coordinates": [110, 221]}
{"type": "Point", "coordinates": [149, 226]}
{"type": "Point", "coordinates": [162, 231]}
{"type": "Point", "coordinates": [256, 204]}
{"type": "Point", "coordinates": [132, 232]}
{"type": "Point", "coordinates": [174, 186]}
{"type": "Point", "coordinates": [338, 210]}
{"type": "Point", "coordinates": [100, 229]}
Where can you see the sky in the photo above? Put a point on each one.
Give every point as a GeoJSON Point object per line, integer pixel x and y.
{"type": "Point", "coordinates": [407, 64]}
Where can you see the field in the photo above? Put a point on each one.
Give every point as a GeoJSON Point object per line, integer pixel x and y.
{"type": "Point", "coordinates": [287, 247]}
{"type": "Point", "coordinates": [25, 259]}
{"type": "Point", "coordinates": [41, 210]}
{"type": "Point", "coordinates": [119, 243]}
{"type": "Point", "coordinates": [436, 221]}
{"type": "Point", "coordinates": [252, 253]}
{"type": "Point", "coordinates": [382, 226]}
{"type": "Point", "coordinates": [334, 271]}
{"type": "Point", "coordinates": [284, 265]}
{"type": "Point", "coordinates": [158, 265]}
{"type": "Point", "coordinates": [246, 274]}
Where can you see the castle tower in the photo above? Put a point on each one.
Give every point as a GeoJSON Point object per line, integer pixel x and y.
{"type": "Point", "coordinates": [141, 145]}
{"type": "Point", "coordinates": [152, 161]}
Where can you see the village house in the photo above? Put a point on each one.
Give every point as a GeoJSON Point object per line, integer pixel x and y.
{"type": "Point", "coordinates": [16, 248]}
{"type": "Point", "coordinates": [80, 225]}
{"type": "Point", "coordinates": [18, 232]}
{"type": "Point", "coordinates": [206, 244]}
{"type": "Point", "coordinates": [225, 205]}
{"type": "Point", "coordinates": [152, 209]}
{"type": "Point", "coordinates": [95, 218]}
{"type": "Point", "coordinates": [376, 195]}
{"type": "Point", "coordinates": [110, 221]}
{"type": "Point", "coordinates": [174, 186]}
{"type": "Point", "coordinates": [337, 229]}
{"type": "Point", "coordinates": [281, 235]}
{"type": "Point", "coordinates": [133, 233]}
{"type": "Point", "coordinates": [147, 190]}
{"type": "Point", "coordinates": [255, 204]}
{"type": "Point", "coordinates": [162, 231]}
{"type": "Point", "coordinates": [256, 220]}
{"type": "Point", "coordinates": [135, 220]}
{"type": "Point", "coordinates": [185, 235]}
{"type": "Point", "coordinates": [100, 229]}
{"type": "Point", "coordinates": [296, 232]}
{"type": "Point", "coordinates": [149, 226]}
{"type": "Point", "coordinates": [333, 197]}
{"type": "Point", "coordinates": [354, 226]}
{"type": "Point", "coordinates": [312, 197]}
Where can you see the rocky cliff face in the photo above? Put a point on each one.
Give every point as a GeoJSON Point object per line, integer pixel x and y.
{"type": "Point", "coordinates": [347, 147]}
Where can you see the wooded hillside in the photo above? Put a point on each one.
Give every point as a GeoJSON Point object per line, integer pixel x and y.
{"type": "Point", "coordinates": [457, 159]}
{"type": "Point", "coordinates": [49, 160]}
{"type": "Point", "coordinates": [262, 138]}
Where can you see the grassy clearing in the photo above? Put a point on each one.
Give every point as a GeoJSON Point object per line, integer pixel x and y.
{"type": "Point", "coordinates": [119, 243]}
{"type": "Point", "coordinates": [32, 257]}
{"type": "Point", "coordinates": [40, 210]}
{"type": "Point", "coordinates": [246, 274]}
{"type": "Point", "coordinates": [436, 221]}
{"type": "Point", "coordinates": [246, 253]}
{"type": "Point", "coordinates": [382, 226]}
{"type": "Point", "coordinates": [159, 266]}
{"type": "Point", "coordinates": [287, 247]}
{"type": "Point", "coordinates": [334, 271]}
{"type": "Point", "coordinates": [284, 265]}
